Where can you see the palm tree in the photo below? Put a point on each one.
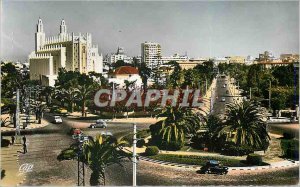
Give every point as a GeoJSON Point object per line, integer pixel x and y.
{"type": "Point", "coordinates": [145, 73]}
{"type": "Point", "coordinates": [178, 122]}
{"type": "Point", "coordinates": [245, 120]}
{"type": "Point", "coordinates": [98, 153]}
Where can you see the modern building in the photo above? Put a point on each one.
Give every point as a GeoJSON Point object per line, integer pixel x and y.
{"type": "Point", "coordinates": [125, 73]}
{"type": "Point", "coordinates": [236, 59]}
{"type": "Point", "coordinates": [249, 60]}
{"type": "Point", "coordinates": [176, 57]}
{"type": "Point", "coordinates": [74, 53]}
{"type": "Point", "coordinates": [289, 57]}
{"type": "Point", "coordinates": [120, 55]}
{"type": "Point", "coordinates": [220, 60]}
{"type": "Point", "coordinates": [190, 64]}
{"type": "Point", "coordinates": [151, 54]}
{"type": "Point", "coordinates": [266, 56]}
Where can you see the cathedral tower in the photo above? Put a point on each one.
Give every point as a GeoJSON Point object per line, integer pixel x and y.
{"type": "Point", "coordinates": [39, 35]}
{"type": "Point", "coordinates": [63, 28]}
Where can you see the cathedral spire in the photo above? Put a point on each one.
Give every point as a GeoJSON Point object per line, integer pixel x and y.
{"type": "Point", "coordinates": [63, 27]}
{"type": "Point", "coordinates": [40, 25]}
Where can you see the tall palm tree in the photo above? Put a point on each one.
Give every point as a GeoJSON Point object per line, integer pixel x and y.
{"type": "Point", "coordinates": [178, 122]}
{"type": "Point", "coordinates": [98, 153]}
{"type": "Point", "coordinates": [245, 120]}
{"type": "Point", "coordinates": [145, 74]}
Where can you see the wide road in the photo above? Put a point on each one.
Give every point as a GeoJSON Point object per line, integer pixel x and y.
{"type": "Point", "coordinates": [46, 143]}
{"type": "Point", "coordinates": [224, 89]}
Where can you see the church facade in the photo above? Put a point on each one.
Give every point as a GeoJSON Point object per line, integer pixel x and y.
{"type": "Point", "coordinates": [74, 53]}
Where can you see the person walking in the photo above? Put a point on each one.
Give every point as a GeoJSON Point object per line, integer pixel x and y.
{"type": "Point", "coordinates": [12, 140]}
{"type": "Point", "coordinates": [24, 148]}
{"type": "Point", "coordinates": [24, 139]}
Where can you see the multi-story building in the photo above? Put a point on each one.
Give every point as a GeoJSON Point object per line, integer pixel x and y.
{"type": "Point", "coordinates": [176, 57]}
{"type": "Point", "coordinates": [74, 53]}
{"type": "Point", "coordinates": [120, 55]}
{"type": "Point", "coordinates": [236, 59]}
{"type": "Point", "coordinates": [151, 54]}
{"type": "Point", "coordinates": [266, 56]}
{"type": "Point", "coordinates": [289, 57]}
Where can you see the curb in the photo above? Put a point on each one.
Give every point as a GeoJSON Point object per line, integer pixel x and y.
{"type": "Point", "coordinates": [295, 163]}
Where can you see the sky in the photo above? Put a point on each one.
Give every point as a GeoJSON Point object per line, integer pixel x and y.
{"type": "Point", "coordinates": [200, 29]}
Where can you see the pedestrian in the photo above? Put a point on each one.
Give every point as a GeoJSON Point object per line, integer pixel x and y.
{"type": "Point", "coordinates": [24, 148]}
{"type": "Point", "coordinates": [24, 139]}
{"type": "Point", "coordinates": [12, 140]}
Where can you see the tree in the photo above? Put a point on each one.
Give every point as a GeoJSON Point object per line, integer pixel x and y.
{"type": "Point", "coordinates": [145, 73]}
{"type": "Point", "coordinates": [66, 87]}
{"type": "Point", "coordinates": [86, 86]}
{"type": "Point", "coordinates": [175, 78]}
{"type": "Point", "coordinates": [178, 122]}
{"type": "Point", "coordinates": [245, 121]}
{"type": "Point", "coordinates": [98, 153]}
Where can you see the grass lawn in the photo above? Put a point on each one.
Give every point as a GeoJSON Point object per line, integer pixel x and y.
{"type": "Point", "coordinates": [199, 160]}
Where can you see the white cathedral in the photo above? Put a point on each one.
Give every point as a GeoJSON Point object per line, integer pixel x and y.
{"type": "Point", "coordinates": [74, 53]}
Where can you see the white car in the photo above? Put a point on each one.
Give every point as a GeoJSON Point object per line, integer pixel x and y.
{"type": "Point", "coordinates": [57, 119]}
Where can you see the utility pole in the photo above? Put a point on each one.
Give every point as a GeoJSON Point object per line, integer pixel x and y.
{"type": "Point", "coordinates": [134, 156]}
{"type": "Point", "coordinates": [18, 115]}
{"type": "Point", "coordinates": [78, 135]}
{"type": "Point", "coordinates": [250, 93]}
{"type": "Point", "coordinates": [270, 92]}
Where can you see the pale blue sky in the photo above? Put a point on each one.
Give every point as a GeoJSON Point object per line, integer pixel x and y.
{"type": "Point", "coordinates": [199, 28]}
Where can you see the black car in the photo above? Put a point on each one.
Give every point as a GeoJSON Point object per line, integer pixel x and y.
{"type": "Point", "coordinates": [213, 166]}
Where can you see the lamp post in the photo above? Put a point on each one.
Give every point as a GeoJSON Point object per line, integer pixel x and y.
{"type": "Point", "coordinates": [134, 156]}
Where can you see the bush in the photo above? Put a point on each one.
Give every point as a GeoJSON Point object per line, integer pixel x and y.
{"type": "Point", "coordinates": [172, 146]}
{"type": "Point", "coordinates": [254, 159]}
{"type": "Point", "coordinates": [5, 143]}
{"type": "Point", "coordinates": [290, 148]}
{"type": "Point", "coordinates": [140, 143]}
{"type": "Point", "coordinates": [151, 151]}
{"type": "Point", "coordinates": [234, 150]}
{"type": "Point", "coordinates": [288, 136]}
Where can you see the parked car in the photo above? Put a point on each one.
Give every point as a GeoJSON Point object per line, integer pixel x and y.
{"type": "Point", "coordinates": [57, 119]}
{"type": "Point", "coordinates": [99, 124]}
{"type": "Point", "coordinates": [213, 166]}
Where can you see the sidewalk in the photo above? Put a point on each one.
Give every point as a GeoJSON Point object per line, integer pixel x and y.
{"type": "Point", "coordinates": [10, 128]}
{"type": "Point", "coordinates": [10, 164]}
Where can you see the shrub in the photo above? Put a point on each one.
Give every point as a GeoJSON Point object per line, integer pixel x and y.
{"type": "Point", "coordinates": [290, 148]}
{"type": "Point", "coordinates": [254, 159]}
{"type": "Point", "coordinates": [234, 150]}
{"type": "Point", "coordinates": [288, 136]}
{"type": "Point", "coordinates": [140, 143]}
{"type": "Point", "coordinates": [5, 143]}
{"type": "Point", "coordinates": [151, 151]}
{"type": "Point", "coordinates": [172, 146]}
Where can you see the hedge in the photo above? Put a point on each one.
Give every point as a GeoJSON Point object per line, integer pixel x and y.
{"type": "Point", "coordinates": [290, 148]}
{"type": "Point", "coordinates": [151, 151]}
{"type": "Point", "coordinates": [254, 159]}
{"type": "Point", "coordinates": [198, 160]}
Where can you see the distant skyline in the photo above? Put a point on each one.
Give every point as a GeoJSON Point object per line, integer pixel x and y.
{"type": "Point", "coordinates": [202, 29]}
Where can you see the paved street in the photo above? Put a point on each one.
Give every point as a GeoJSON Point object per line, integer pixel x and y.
{"type": "Point", "coordinates": [226, 92]}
